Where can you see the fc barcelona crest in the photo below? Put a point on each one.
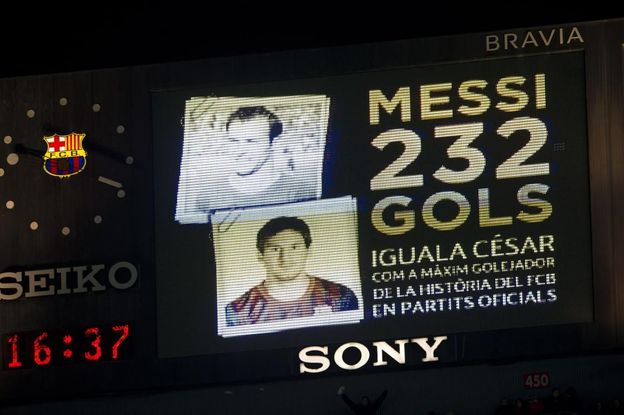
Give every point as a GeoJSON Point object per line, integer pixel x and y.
{"type": "Point", "coordinates": [65, 155]}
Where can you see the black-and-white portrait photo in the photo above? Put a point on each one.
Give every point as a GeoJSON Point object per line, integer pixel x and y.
{"type": "Point", "coordinates": [246, 152]}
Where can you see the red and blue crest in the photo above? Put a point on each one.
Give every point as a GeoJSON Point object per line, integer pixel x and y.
{"type": "Point", "coordinates": [65, 155]}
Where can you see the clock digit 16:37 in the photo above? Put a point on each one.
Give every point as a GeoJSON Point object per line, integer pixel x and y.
{"type": "Point", "coordinates": [59, 346]}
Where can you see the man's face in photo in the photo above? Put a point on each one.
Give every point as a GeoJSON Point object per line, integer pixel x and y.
{"type": "Point", "coordinates": [285, 255]}
{"type": "Point", "coordinates": [249, 144]}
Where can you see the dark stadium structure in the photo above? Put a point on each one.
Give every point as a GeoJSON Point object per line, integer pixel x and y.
{"type": "Point", "coordinates": [460, 191]}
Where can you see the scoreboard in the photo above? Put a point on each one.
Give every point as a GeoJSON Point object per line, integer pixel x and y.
{"type": "Point", "coordinates": [441, 197]}
{"type": "Point", "coordinates": [294, 214]}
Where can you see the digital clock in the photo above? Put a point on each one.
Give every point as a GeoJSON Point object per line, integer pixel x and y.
{"type": "Point", "coordinates": [61, 346]}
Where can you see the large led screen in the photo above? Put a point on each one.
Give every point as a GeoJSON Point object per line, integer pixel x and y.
{"type": "Point", "coordinates": [411, 201]}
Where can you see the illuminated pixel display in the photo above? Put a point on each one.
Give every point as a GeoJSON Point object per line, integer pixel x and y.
{"type": "Point", "coordinates": [416, 201]}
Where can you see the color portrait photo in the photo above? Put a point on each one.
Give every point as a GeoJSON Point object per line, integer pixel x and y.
{"type": "Point", "coordinates": [286, 267]}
